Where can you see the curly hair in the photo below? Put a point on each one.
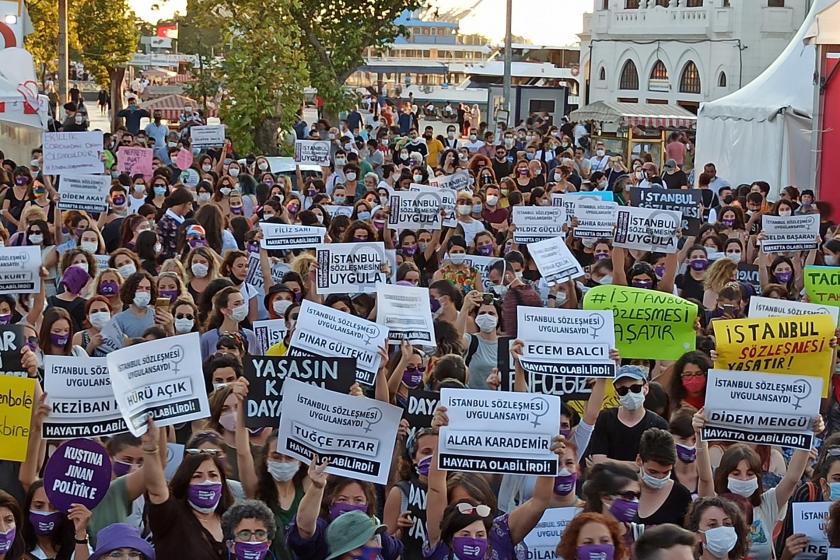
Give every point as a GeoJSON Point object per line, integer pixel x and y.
{"type": "Point", "coordinates": [567, 547]}
{"type": "Point", "coordinates": [732, 511]}
{"type": "Point", "coordinates": [248, 509]}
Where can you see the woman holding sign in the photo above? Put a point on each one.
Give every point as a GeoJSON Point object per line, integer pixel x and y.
{"type": "Point", "coordinates": [50, 533]}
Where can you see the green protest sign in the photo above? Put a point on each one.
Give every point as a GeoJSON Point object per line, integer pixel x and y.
{"type": "Point", "coordinates": [822, 285]}
{"type": "Point", "coordinates": [649, 324]}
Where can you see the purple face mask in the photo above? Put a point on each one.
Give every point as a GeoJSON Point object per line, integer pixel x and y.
{"type": "Point", "coordinates": [409, 251]}
{"type": "Point", "coordinates": [344, 507]}
{"type": "Point", "coordinates": [435, 304]}
{"type": "Point", "coordinates": [108, 288]}
{"type": "Point", "coordinates": [686, 454]}
{"type": "Point", "coordinates": [644, 284]}
{"type": "Point", "coordinates": [44, 523]}
{"type": "Point", "coordinates": [204, 496]}
{"type": "Point", "coordinates": [423, 466]}
{"type": "Point", "coordinates": [566, 433]}
{"type": "Point", "coordinates": [595, 552]}
{"type": "Point", "coordinates": [624, 510]}
{"type": "Point", "coordinates": [7, 539]}
{"type": "Point", "coordinates": [468, 548]}
{"type": "Point", "coordinates": [171, 294]}
{"type": "Point", "coordinates": [699, 264]}
{"type": "Point", "coordinates": [120, 469]}
{"type": "Point", "coordinates": [485, 250]}
{"type": "Point", "coordinates": [783, 277]}
{"type": "Point", "coordinates": [59, 339]}
{"type": "Point", "coordinates": [659, 270]}
{"type": "Point", "coordinates": [193, 243]}
{"type": "Point", "coordinates": [6, 319]}
{"type": "Point", "coordinates": [565, 484]}
{"type": "Point", "coordinates": [250, 550]}
{"type": "Point", "coordinates": [412, 377]}
{"type": "Point", "coordinates": [601, 256]}
{"type": "Point", "coordinates": [728, 223]}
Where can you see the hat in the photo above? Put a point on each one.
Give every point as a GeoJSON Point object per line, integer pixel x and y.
{"type": "Point", "coordinates": [630, 372]}
{"type": "Point", "coordinates": [70, 106]}
{"type": "Point", "coordinates": [195, 231]}
{"type": "Point", "coordinates": [350, 531]}
{"type": "Point", "coordinates": [121, 535]}
{"type": "Point", "coordinates": [671, 163]}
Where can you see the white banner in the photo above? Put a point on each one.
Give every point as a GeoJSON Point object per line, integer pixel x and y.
{"type": "Point", "coordinates": [809, 519]}
{"type": "Point", "coordinates": [458, 181]}
{"type": "Point", "coordinates": [162, 378]}
{"type": "Point", "coordinates": [555, 261]}
{"type": "Point", "coordinates": [647, 229]}
{"type": "Point", "coordinates": [414, 210]}
{"type": "Point", "coordinates": [407, 314]}
{"type": "Point", "coordinates": [81, 400]}
{"type": "Point", "coordinates": [446, 201]}
{"type": "Point", "coordinates": [350, 268]}
{"type": "Point", "coordinates": [338, 210]}
{"type": "Point", "coordinates": [312, 152]}
{"type": "Point", "coordinates": [784, 234]}
{"type": "Point", "coordinates": [499, 432]}
{"type": "Point", "coordinates": [761, 408]}
{"type": "Point", "coordinates": [269, 333]}
{"type": "Point", "coordinates": [596, 219]}
{"type": "Point", "coordinates": [542, 540]}
{"type": "Point", "coordinates": [19, 270]}
{"type": "Point", "coordinates": [84, 192]}
{"type": "Point", "coordinates": [207, 136]}
{"type": "Point", "coordinates": [287, 236]}
{"type": "Point", "coordinates": [762, 307]}
{"type": "Point", "coordinates": [535, 223]}
{"type": "Point", "coordinates": [356, 434]}
{"type": "Point", "coordinates": [76, 153]}
{"type": "Point", "coordinates": [324, 331]}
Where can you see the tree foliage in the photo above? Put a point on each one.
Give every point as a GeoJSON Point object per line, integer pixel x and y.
{"type": "Point", "coordinates": [43, 42]}
{"type": "Point", "coordinates": [107, 35]}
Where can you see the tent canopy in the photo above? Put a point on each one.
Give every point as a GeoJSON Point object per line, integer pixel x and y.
{"type": "Point", "coordinates": [826, 27]}
{"type": "Point", "coordinates": [172, 105]}
{"type": "Point", "coordinates": [636, 114]}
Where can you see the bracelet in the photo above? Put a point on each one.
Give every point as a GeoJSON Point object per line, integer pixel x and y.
{"type": "Point", "coordinates": [82, 541]}
{"type": "Point", "coordinates": [155, 450]}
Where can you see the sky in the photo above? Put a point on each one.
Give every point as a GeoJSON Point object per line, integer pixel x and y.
{"type": "Point", "coordinates": [544, 22]}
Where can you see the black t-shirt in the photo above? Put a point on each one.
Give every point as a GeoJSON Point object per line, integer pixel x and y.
{"type": "Point", "coordinates": [674, 508]}
{"type": "Point", "coordinates": [675, 180]}
{"type": "Point", "coordinates": [75, 308]}
{"type": "Point", "coordinates": [690, 287]}
{"type": "Point", "coordinates": [501, 168]}
{"type": "Point", "coordinates": [111, 234]}
{"type": "Point", "coordinates": [617, 441]}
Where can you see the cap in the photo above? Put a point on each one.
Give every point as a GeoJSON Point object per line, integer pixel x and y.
{"type": "Point", "coordinates": [195, 231]}
{"type": "Point", "coordinates": [350, 531]}
{"type": "Point", "coordinates": [121, 535]}
{"type": "Point", "coordinates": [671, 163]}
{"type": "Point", "coordinates": [70, 106]}
{"type": "Point", "coordinates": [630, 372]}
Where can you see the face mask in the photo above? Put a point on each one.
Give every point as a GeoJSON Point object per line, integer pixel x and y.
{"type": "Point", "coordinates": [720, 541]}
{"type": "Point", "coordinates": [21, 181]}
{"type": "Point", "coordinates": [36, 238]}
{"type": "Point", "coordinates": [44, 523]}
{"type": "Point", "coordinates": [745, 488]}
{"type": "Point", "coordinates": [485, 250]}
{"type": "Point", "coordinates": [160, 191]}
{"type": "Point", "coordinates": [225, 191]}
{"type": "Point", "coordinates": [486, 322]}
{"type": "Point", "coordinates": [734, 257]}
{"type": "Point", "coordinates": [89, 246]}
{"type": "Point", "coordinates": [783, 277]}
{"type": "Point", "coordinates": [784, 212]}
{"type": "Point", "coordinates": [457, 258]}
{"type": "Point", "coordinates": [652, 482]}
{"type": "Point", "coordinates": [412, 377]}
{"type": "Point", "coordinates": [508, 143]}
{"type": "Point", "coordinates": [624, 510]}
{"type": "Point", "coordinates": [351, 176]}
{"type": "Point", "coordinates": [830, 260]}
{"type": "Point", "coordinates": [236, 210]}
{"type": "Point", "coordinates": [280, 306]}
{"type": "Point", "coordinates": [464, 209]}
{"type": "Point", "coordinates": [643, 284]}
{"type": "Point", "coordinates": [199, 270]}
{"type": "Point", "coordinates": [473, 137]}
{"type": "Point", "coordinates": [250, 550]}
{"type": "Point", "coordinates": [99, 318]}
{"type": "Point", "coordinates": [404, 156]}
{"type": "Point", "coordinates": [595, 552]}
{"type": "Point", "coordinates": [282, 472]}
{"type": "Point", "coordinates": [109, 288]}
{"type": "Point", "coordinates": [83, 265]}
{"type": "Point", "coordinates": [203, 197]}
{"type": "Point", "coordinates": [340, 200]}
{"type": "Point", "coordinates": [694, 384]}
{"type": "Point", "coordinates": [206, 167]}
{"type": "Point", "coordinates": [6, 540]}
{"type": "Point", "coordinates": [341, 508]}
{"type": "Point", "coordinates": [120, 469]}
{"type": "Point", "coordinates": [204, 496]}
{"type": "Point", "coordinates": [600, 153]}
{"type": "Point", "coordinates": [632, 401]}
{"type": "Point", "coordinates": [239, 313]}
{"type": "Point", "coordinates": [127, 270]}
{"type": "Point", "coordinates": [468, 548]}
{"type": "Point", "coordinates": [698, 265]}
{"type": "Point", "coordinates": [558, 177]}
{"type": "Point", "coordinates": [6, 319]}
{"type": "Point", "coordinates": [434, 304]}
{"type": "Point", "coordinates": [564, 482]}
{"type": "Point", "coordinates": [423, 466]}
{"type": "Point", "coordinates": [834, 491]}
{"type": "Point", "coordinates": [233, 172]}
{"type": "Point", "coordinates": [686, 454]}
{"type": "Point", "coordinates": [379, 224]}
{"type": "Point", "coordinates": [363, 216]}
{"type": "Point", "coordinates": [142, 299]}
{"type": "Point", "coordinates": [183, 326]}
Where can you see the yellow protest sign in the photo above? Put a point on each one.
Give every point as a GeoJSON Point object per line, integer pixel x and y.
{"type": "Point", "coordinates": [791, 345]}
{"type": "Point", "coordinates": [17, 397]}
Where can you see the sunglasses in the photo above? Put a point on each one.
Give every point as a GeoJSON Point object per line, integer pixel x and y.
{"type": "Point", "coordinates": [210, 452]}
{"type": "Point", "coordinates": [480, 510]}
{"type": "Point", "coordinates": [621, 391]}
{"type": "Point", "coordinates": [184, 316]}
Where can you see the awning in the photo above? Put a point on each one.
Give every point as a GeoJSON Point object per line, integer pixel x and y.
{"type": "Point", "coordinates": [171, 106]}
{"type": "Point", "coordinates": [636, 114]}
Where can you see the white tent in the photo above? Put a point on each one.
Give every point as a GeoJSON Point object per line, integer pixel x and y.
{"type": "Point", "coordinates": [762, 131]}
{"type": "Point", "coordinates": [23, 111]}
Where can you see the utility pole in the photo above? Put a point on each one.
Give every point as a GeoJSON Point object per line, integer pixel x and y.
{"type": "Point", "coordinates": [62, 58]}
{"type": "Point", "coordinates": [508, 56]}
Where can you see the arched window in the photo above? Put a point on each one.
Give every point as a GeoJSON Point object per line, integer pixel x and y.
{"type": "Point", "coordinates": [629, 76]}
{"type": "Point", "coordinates": [690, 78]}
{"type": "Point", "coordinates": [722, 79]}
{"type": "Point", "coordinates": [658, 80]}
{"type": "Point", "coordinates": [602, 74]}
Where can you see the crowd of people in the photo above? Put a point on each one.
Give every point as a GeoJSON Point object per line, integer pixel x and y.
{"type": "Point", "coordinates": [641, 480]}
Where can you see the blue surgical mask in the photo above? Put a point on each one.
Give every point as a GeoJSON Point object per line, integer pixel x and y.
{"type": "Point", "coordinates": [834, 491]}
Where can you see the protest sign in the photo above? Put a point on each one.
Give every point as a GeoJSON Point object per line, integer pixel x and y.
{"type": "Point", "coordinates": [79, 472]}
{"type": "Point", "coordinates": [406, 313]}
{"type": "Point", "coordinates": [190, 177]}
{"type": "Point", "coordinates": [20, 269]}
{"type": "Point", "coordinates": [543, 538]}
{"type": "Point", "coordinates": [17, 398]}
{"type": "Point", "coordinates": [446, 201]}
{"type": "Point", "coordinates": [822, 285]}
{"type": "Point", "coordinates": [810, 519]}
{"type": "Point", "coordinates": [338, 210]}
{"type": "Point", "coordinates": [267, 374]}
{"type": "Point", "coordinates": [800, 345]}
{"type": "Point", "coordinates": [349, 268]}
{"type": "Point", "coordinates": [84, 192]}
{"type": "Point", "coordinates": [312, 152]}
{"type": "Point", "coordinates": [784, 234]}
{"type": "Point", "coordinates": [134, 161]}
{"type": "Point", "coordinates": [162, 378]}
{"type": "Point", "coordinates": [420, 408]}
{"type": "Point", "coordinates": [748, 273]}
{"type": "Point", "coordinates": [269, 333]}
{"type": "Point", "coordinates": [472, 442]}
{"type": "Point", "coordinates": [458, 181]}
{"type": "Point", "coordinates": [605, 196]}
{"type": "Point", "coordinates": [483, 264]}
{"type": "Point", "coordinates": [288, 236]}
{"type": "Point", "coordinates": [554, 260]}
{"type": "Point", "coordinates": [567, 202]}
{"type": "Point", "coordinates": [356, 434]}
{"type": "Point", "coordinates": [254, 275]}
{"type": "Point", "coordinates": [535, 223]}
{"type": "Point", "coordinates": [81, 400]}
{"type": "Point", "coordinates": [184, 159]}
{"type": "Point", "coordinates": [761, 307]}
{"type": "Point", "coordinates": [761, 408]}
{"type": "Point", "coordinates": [595, 218]}
{"type": "Point", "coordinates": [687, 202]}
{"type": "Point", "coordinates": [324, 331]}
{"type": "Point", "coordinates": [11, 345]}
{"type": "Point", "coordinates": [414, 210]}
{"type": "Point", "coordinates": [649, 325]}
{"type": "Point", "coordinates": [174, 457]}
{"type": "Point", "coordinates": [646, 229]}
{"type": "Point", "coordinates": [75, 153]}
{"type": "Point", "coordinates": [207, 136]}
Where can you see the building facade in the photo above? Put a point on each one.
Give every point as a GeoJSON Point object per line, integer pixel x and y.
{"type": "Point", "coordinates": [681, 52]}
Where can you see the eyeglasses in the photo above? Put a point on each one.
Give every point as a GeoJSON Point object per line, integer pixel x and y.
{"type": "Point", "coordinates": [480, 510]}
{"type": "Point", "coordinates": [629, 495]}
{"type": "Point", "coordinates": [131, 554]}
{"type": "Point", "coordinates": [210, 452]}
{"type": "Point", "coordinates": [621, 391]}
{"type": "Point", "coordinates": [245, 535]}
{"type": "Point", "coordinates": [184, 316]}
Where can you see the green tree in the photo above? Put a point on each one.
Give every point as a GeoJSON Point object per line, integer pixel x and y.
{"type": "Point", "coordinates": [199, 31]}
{"type": "Point", "coordinates": [43, 43]}
{"type": "Point", "coordinates": [207, 80]}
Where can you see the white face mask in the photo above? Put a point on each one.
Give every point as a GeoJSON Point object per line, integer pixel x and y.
{"type": "Point", "coordinates": [83, 265]}
{"type": "Point", "coordinates": [280, 306]}
{"type": "Point", "coordinates": [600, 153]}
{"type": "Point", "coordinates": [127, 270]}
{"type": "Point", "coordinates": [36, 238]}
{"type": "Point", "coordinates": [282, 472]}
{"type": "Point", "coordinates": [183, 326]}
{"type": "Point", "coordinates": [199, 270]}
{"type": "Point", "coordinates": [735, 257]}
{"type": "Point", "coordinates": [464, 209]}
{"type": "Point", "coordinates": [720, 541]}
{"type": "Point", "coordinates": [239, 313]}
{"type": "Point", "coordinates": [418, 178]}
{"type": "Point", "coordinates": [99, 319]}
{"type": "Point", "coordinates": [558, 177]}
{"type": "Point", "coordinates": [206, 168]}
{"type": "Point", "coordinates": [204, 197]}
{"type": "Point", "coordinates": [89, 246]}
{"type": "Point", "coordinates": [142, 299]}
{"type": "Point", "coordinates": [351, 176]}
{"type": "Point", "coordinates": [745, 488]}
{"type": "Point", "coordinates": [233, 172]}
{"type": "Point", "coordinates": [486, 322]}
{"type": "Point", "coordinates": [492, 200]}
{"type": "Point", "coordinates": [632, 401]}
{"type": "Point", "coordinates": [652, 482]}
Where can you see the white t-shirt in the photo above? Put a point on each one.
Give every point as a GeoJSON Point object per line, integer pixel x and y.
{"type": "Point", "coordinates": [471, 229]}
{"type": "Point", "coordinates": [473, 147]}
{"type": "Point", "coordinates": [761, 532]}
